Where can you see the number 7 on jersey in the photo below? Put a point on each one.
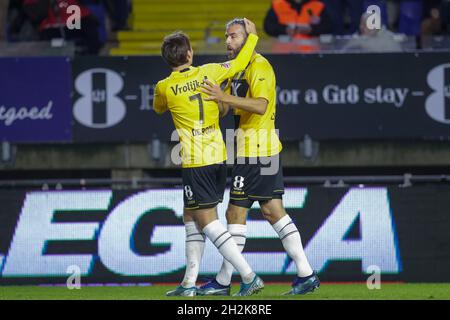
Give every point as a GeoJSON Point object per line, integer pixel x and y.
{"type": "Point", "coordinates": [200, 105]}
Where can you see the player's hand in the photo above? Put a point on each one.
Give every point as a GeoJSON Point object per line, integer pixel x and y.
{"type": "Point", "coordinates": [223, 109]}
{"type": "Point", "coordinates": [250, 26]}
{"type": "Point", "coordinates": [213, 91]}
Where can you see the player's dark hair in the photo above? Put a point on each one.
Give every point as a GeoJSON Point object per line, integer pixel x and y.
{"type": "Point", "coordinates": [239, 21]}
{"type": "Point", "coordinates": [174, 49]}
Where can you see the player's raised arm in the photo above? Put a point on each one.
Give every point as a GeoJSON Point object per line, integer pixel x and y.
{"type": "Point", "coordinates": [159, 99]}
{"type": "Point", "coordinates": [228, 69]}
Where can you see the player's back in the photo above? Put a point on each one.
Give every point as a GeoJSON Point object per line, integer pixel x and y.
{"type": "Point", "coordinates": [196, 120]}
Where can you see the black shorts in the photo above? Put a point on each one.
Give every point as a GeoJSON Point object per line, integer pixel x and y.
{"type": "Point", "coordinates": [260, 181]}
{"type": "Point", "coordinates": [203, 187]}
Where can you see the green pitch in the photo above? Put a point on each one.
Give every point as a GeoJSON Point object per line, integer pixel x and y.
{"type": "Point", "coordinates": [271, 292]}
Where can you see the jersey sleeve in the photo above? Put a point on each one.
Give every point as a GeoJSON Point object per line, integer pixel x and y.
{"type": "Point", "coordinates": [159, 98]}
{"type": "Point", "coordinates": [221, 71]}
{"type": "Point", "coordinates": [261, 80]}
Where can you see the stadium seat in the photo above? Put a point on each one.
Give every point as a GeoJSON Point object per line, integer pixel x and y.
{"type": "Point", "coordinates": [203, 20]}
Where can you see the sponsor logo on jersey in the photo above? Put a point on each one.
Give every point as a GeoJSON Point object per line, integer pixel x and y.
{"type": "Point", "coordinates": [202, 131]}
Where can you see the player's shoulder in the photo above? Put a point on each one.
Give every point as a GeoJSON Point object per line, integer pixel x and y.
{"type": "Point", "coordinates": [214, 66]}
{"type": "Point", "coordinates": [161, 85]}
{"type": "Point", "coordinates": [162, 82]}
{"type": "Point", "coordinates": [260, 63]}
{"type": "Point", "coordinates": [261, 60]}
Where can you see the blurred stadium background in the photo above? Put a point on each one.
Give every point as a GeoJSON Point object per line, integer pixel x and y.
{"type": "Point", "coordinates": [86, 177]}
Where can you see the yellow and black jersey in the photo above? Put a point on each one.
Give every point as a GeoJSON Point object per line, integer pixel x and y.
{"type": "Point", "coordinates": [256, 134]}
{"type": "Point", "coordinates": [197, 120]}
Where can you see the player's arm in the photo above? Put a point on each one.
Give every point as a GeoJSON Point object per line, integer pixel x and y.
{"type": "Point", "coordinates": [223, 109]}
{"type": "Point", "coordinates": [253, 105]}
{"type": "Point", "coordinates": [261, 84]}
{"type": "Point", "coordinates": [228, 69]}
{"type": "Point", "coordinates": [159, 99]}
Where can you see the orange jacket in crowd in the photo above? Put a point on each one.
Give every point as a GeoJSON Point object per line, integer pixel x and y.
{"type": "Point", "coordinates": [293, 12]}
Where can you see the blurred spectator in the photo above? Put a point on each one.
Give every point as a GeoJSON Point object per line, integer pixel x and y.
{"type": "Point", "coordinates": [340, 9]}
{"type": "Point", "coordinates": [445, 15]}
{"type": "Point", "coordinates": [436, 20]}
{"type": "Point", "coordinates": [393, 13]}
{"type": "Point", "coordinates": [402, 16]}
{"type": "Point", "coordinates": [300, 19]}
{"type": "Point", "coordinates": [20, 27]}
{"type": "Point", "coordinates": [51, 16]}
{"type": "Point", "coordinates": [373, 40]}
{"type": "Point", "coordinates": [97, 9]}
{"type": "Point", "coordinates": [382, 4]}
{"type": "Point", "coordinates": [118, 11]}
{"type": "Point", "coordinates": [4, 4]}
{"type": "Point", "coordinates": [411, 14]}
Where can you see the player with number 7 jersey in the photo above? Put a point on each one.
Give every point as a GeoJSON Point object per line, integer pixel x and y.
{"type": "Point", "coordinates": [197, 120]}
{"type": "Point", "coordinates": [203, 154]}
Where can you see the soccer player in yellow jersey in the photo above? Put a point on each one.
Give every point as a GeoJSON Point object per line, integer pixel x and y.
{"type": "Point", "coordinates": [253, 100]}
{"type": "Point", "coordinates": [203, 154]}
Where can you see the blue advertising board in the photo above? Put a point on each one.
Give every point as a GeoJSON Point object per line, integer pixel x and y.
{"type": "Point", "coordinates": [35, 103]}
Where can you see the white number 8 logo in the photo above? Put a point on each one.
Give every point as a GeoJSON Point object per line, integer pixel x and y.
{"type": "Point", "coordinates": [238, 182]}
{"type": "Point", "coordinates": [188, 191]}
